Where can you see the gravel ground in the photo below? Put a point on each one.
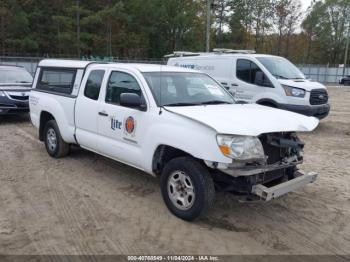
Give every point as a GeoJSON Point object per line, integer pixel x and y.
{"type": "Point", "coordinates": [87, 204]}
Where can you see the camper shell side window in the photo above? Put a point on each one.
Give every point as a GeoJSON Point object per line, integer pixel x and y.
{"type": "Point", "coordinates": [57, 80]}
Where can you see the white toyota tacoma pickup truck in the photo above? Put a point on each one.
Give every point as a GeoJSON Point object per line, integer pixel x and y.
{"type": "Point", "coordinates": [171, 122]}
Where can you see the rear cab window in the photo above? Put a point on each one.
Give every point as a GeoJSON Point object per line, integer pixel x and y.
{"type": "Point", "coordinates": [93, 84]}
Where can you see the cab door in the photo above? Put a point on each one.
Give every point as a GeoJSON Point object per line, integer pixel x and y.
{"type": "Point", "coordinates": [250, 81]}
{"type": "Point", "coordinates": [120, 128]}
{"type": "Point", "coordinates": [86, 110]}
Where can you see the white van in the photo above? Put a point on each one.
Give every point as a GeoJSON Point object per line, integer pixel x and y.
{"type": "Point", "coordinates": [257, 78]}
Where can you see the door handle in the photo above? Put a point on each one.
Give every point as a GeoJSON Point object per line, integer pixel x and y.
{"type": "Point", "coordinates": [234, 84]}
{"type": "Point", "coordinates": [103, 113]}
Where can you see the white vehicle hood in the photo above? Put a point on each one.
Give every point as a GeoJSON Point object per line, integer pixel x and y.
{"type": "Point", "coordinates": [302, 83]}
{"type": "Point", "coordinates": [246, 119]}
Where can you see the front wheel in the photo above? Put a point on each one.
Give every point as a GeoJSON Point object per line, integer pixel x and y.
{"type": "Point", "coordinates": [54, 143]}
{"type": "Point", "coordinates": [187, 188]}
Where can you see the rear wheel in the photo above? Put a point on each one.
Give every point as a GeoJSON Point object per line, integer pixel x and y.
{"type": "Point", "coordinates": [187, 188]}
{"type": "Point", "coordinates": [346, 83]}
{"type": "Point", "coordinates": [55, 145]}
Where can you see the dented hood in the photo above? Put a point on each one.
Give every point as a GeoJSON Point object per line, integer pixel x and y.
{"type": "Point", "coordinates": [246, 119]}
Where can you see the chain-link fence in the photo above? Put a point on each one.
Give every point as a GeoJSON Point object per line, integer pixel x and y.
{"type": "Point", "coordinates": [30, 63]}
{"type": "Point", "coordinates": [319, 73]}
{"type": "Point", "coordinates": [324, 73]}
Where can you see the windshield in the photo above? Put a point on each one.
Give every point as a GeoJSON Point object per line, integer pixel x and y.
{"type": "Point", "coordinates": [15, 76]}
{"type": "Point", "coordinates": [280, 67]}
{"type": "Point", "coordinates": [186, 89]}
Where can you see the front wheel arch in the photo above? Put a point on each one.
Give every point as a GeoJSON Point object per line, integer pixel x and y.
{"type": "Point", "coordinates": [267, 102]}
{"type": "Point", "coordinates": [163, 154]}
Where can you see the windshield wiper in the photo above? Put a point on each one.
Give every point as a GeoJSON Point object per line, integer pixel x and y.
{"type": "Point", "coordinates": [282, 77]}
{"type": "Point", "coordinates": [215, 102]}
{"type": "Point", "coordinates": [23, 82]}
{"type": "Point", "coordinates": [182, 104]}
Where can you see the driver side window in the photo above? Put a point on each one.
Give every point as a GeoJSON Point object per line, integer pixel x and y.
{"type": "Point", "coordinates": [249, 72]}
{"type": "Point", "coordinates": [119, 83]}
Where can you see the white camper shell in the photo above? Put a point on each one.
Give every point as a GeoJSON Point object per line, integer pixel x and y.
{"type": "Point", "coordinates": [257, 78]}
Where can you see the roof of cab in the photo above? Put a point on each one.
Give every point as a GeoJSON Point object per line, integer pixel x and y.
{"type": "Point", "coordinates": [83, 64]}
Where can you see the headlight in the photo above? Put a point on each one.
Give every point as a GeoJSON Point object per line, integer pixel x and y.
{"type": "Point", "coordinates": [2, 93]}
{"type": "Point", "coordinates": [241, 147]}
{"type": "Point", "coordinates": [293, 91]}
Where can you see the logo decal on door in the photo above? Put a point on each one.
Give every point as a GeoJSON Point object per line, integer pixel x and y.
{"type": "Point", "coordinates": [115, 124]}
{"type": "Point", "coordinates": [130, 126]}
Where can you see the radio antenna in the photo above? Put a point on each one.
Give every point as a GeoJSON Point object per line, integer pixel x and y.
{"type": "Point", "coordinates": [160, 90]}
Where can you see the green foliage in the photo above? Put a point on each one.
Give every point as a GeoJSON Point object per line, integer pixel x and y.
{"type": "Point", "coordinates": [153, 28]}
{"type": "Point", "coordinates": [326, 26]}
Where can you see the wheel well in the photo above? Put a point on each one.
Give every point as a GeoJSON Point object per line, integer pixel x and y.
{"type": "Point", "coordinates": [163, 155]}
{"type": "Point", "coordinates": [44, 118]}
{"type": "Point", "coordinates": [269, 103]}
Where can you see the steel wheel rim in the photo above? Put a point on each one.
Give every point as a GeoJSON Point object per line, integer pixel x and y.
{"type": "Point", "coordinates": [51, 139]}
{"type": "Point", "coordinates": [180, 190]}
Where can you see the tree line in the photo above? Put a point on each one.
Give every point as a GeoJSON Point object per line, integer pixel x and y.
{"type": "Point", "coordinates": [153, 28]}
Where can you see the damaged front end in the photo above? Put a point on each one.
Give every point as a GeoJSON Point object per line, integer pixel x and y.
{"type": "Point", "coordinates": [283, 152]}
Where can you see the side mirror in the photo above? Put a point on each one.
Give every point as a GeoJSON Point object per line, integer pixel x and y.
{"type": "Point", "coordinates": [132, 100]}
{"type": "Point", "coordinates": [259, 78]}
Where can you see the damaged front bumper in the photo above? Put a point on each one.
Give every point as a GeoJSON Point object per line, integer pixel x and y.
{"type": "Point", "coordinates": [241, 169]}
{"type": "Point", "coordinates": [269, 193]}
{"type": "Point", "coordinates": [267, 178]}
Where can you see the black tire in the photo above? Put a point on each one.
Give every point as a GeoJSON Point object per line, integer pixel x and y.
{"type": "Point", "coordinates": [62, 148]}
{"type": "Point", "coordinates": [202, 183]}
{"type": "Point", "coordinates": [346, 83]}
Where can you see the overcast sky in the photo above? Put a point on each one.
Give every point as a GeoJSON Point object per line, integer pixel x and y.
{"type": "Point", "coordinates": [305, 4]}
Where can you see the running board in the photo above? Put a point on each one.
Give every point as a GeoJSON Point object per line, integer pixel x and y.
{"type": "Point", "coordinates": [269, 193]}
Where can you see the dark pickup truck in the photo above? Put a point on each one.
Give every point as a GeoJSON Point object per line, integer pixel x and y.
{"type": "Point", "coordinates": [15, 85]}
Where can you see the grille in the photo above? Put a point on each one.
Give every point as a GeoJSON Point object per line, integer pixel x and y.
{"type": "Point", "coordinates": [275, 154]}
{"type": "Point", "coordinates": [318, 97]}
{"type": "Point", "coordinates": [22, 98]}
{"type": "Point", "coordinates": [6, 105]}
{"type": "Point", "coordinates": [278, 146]}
